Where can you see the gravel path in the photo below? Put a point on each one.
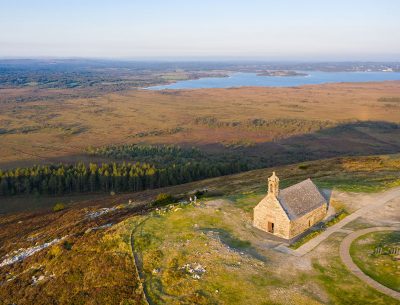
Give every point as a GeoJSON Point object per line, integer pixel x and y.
{"type": "Point", "coordinates": [379, 202]}
{"type": "Point", "coordinates": [347, 260]}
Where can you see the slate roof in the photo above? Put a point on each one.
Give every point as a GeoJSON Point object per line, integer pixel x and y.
{"type": "Point", "coordinates": [300, 199]}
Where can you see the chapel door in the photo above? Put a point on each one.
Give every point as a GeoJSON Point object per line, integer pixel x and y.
{"type": "Point", "coordinates": [270, 227]}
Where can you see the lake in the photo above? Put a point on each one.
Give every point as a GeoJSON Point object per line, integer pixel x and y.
{"type": "Point", "coordinates": [252, 79]}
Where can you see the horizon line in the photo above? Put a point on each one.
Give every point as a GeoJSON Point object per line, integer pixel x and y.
{"type": "Point", "coordinates": [202, 58]}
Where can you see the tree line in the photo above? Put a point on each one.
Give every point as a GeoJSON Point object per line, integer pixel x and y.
{"type": "Point", "coordinates": [161, 155]}
{"type": "Point", "coordinates": [58, 179]}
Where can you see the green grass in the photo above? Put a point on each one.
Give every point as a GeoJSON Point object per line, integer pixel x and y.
{"type": "Point", "coordinates": [306, 238]}
{"type": "Point", "coordinates": [168, 240]}
{"type": "Point", "coordinates": [247, 200]}
{"type": "Point", "coordinates": [218, 239]}
{"type": "Point", "coordinates": [344, 288]}
{"type": "Point", "coordinates": [338, 217]}
{"type": "Point", "coordinates": [358, 224]}
{"type": "Point", "coordinates": [383, 268]}
{"type": "Point", "coordinates": [234, 242]}
{"type": "Point", "coordinates": [360, 182]}
{"type": "Point", "coordinates": [341, 285]}
{"type": "Point", "coordinates": [227, 238]}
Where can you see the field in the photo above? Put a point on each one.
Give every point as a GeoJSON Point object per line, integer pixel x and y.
{"type": "Point", "coordinates": [94, 264]}
{"type": "Point", "coordinates": [281, 124]}
{"type": "Point", "coordinates": [371, 253]}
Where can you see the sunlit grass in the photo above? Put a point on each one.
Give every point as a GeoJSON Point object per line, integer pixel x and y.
{"type": "Point", "coordinates": [384, 267]}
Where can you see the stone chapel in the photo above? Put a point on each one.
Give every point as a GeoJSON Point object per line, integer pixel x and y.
{"type": "Point", "coordinates": [289, 212]}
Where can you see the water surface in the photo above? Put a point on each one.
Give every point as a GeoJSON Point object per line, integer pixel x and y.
{"type": "Point", "coordinates": [252, 79]}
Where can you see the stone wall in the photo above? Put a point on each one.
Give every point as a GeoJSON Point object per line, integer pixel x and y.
{"type": "Point", "coordinates": [303, 223]}
{"type": "Point", "coordinates": [270, 210]}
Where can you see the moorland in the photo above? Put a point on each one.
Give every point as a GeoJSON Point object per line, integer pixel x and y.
{"type": "Point", "coordinates": [94, 170]}
{"type": "Point", "coordinates": [185, 135]}
{"type": "Point", "coordinates": [44, 119]}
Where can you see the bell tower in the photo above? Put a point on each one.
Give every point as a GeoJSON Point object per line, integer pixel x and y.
{"type": "Point", "coordinates": [273, 185]}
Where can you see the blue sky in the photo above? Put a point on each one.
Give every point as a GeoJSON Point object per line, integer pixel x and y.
{"type": "Point", "coordinates": [262, 29]}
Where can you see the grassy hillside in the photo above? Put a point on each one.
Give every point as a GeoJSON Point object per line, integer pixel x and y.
{"type": "Point", "coordinates": [212, 255]}
{"type": "Point", "coordinates": [94, 264]}
{"type": "Point", "coordinates": [358, 174]}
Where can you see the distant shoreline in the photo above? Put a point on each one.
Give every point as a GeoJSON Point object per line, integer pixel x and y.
{"type": "Point", "coordinates": [279, 73]}
{"type": "Point", "coordinates": [278, 78]}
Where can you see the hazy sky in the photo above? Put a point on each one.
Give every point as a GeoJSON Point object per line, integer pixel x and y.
{"type": "Point", "coordinates": [267, 29]}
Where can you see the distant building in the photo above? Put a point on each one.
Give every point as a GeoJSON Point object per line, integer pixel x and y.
{"type": "Point", "coordinates": [291, 211]}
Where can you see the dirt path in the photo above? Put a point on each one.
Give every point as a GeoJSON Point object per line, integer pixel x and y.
{"type": "Point", "coordinates": [347, 260]}
{"type": "Point", "coordinates": [138, 266]}
{"type": "Point", "coordinates": [379, 202]}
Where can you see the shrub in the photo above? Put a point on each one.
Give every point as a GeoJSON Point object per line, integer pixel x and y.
{"type": "Point", "coordinates": [67, 245]}
{"type": "Point", "coordinates": [163, 199]}
{"type": "Point", "coordinates": [54, 251]}
{"type": "Point", "coordinates": [338, 217]}
{"type": "Point", "coordinates": [58, 207]}
{"type": "Point", "coordinates": [200, 193]}
{"type": "Point", "coordinates": [303, 166]}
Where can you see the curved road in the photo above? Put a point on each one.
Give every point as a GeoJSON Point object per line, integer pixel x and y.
{"type": "Point", "coordinates": [348, 261]}
{"type": "Point", "coordinates": [385, 197]}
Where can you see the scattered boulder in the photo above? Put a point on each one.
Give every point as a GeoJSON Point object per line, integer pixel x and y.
{"type": "Point", "coordinates": [100, 212]}
{"type": "Point", "coordinates": [21, 254]}
{"type": "Point", "coordinates": [195, 269]}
